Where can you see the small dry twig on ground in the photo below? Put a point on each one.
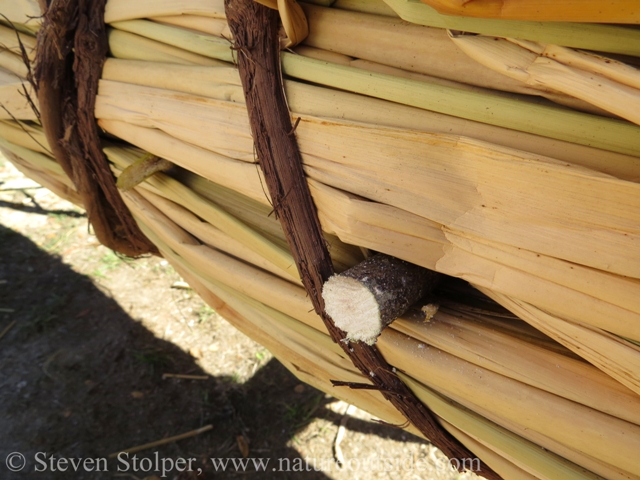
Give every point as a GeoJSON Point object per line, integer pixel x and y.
{"type": "Point", "coordinates": [337, 451]}
{"type": "Point", "coordinates": [8, 327]}
{"type": "Point", "coordinates": [183, 376]}
{"type": "Point", "coordinates": [164, 441]}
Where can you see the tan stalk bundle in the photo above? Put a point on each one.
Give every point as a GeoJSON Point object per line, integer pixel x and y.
{"type": "Point", "coordinates": [347, 33]}
{"type": "Point", "coordinates": [224, 84]}
{"type": "Point", "coordinates": [424, 49]}
{"type": "Point", "coordinates": [205, 45]}
{"type": "Point", "coordinates": [14, 102]}
{"type": "Point", "coordinates": [151, 108]}
{"type": "Point", "coordinates": [606, 38]}
{"type": "Point", "coordinates": [442, 185]}
{"type": "Point", "coordinates": [333, 57]}
{"type": "Point", "coordinates": [219, 28]}
{"type": "Point", "coordinates": [372, 37]}
{"type": "Point", "coordinates": [13, 71]}
{"type": "Point", "coordinates": [269, 297]}
{"type": "Point", "coordinates": [42, 169]}
{"type": "Point", "coordinates": [554, 122]}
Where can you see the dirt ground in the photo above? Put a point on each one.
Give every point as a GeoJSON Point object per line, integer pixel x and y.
{"type": "Point", "coordinates": [86, 341]}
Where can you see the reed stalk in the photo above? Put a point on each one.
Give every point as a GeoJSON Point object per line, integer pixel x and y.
{"type": "Point", "coordinates": [11, 40]}
{"type": "Point", "coordinates": [120, 10]}
{"type": "Point", "coordinates": [521, 360]}
{"type": "Point", "coordinates": [213, 26]}
{"type": "Point", "coordinates": [375, 7]}
{"type": "Point", "coordinates": [589, 11]}
{"type": "Point", "coordinates": [13, 63]}
{"type": "Point", "coordinates": [611, 354]}
{"type": "Point", "coordinates": [603, 38]}
{"type": "Point", "coordinates": [14, 102]}
{"type": "Point", "coordinates": [130, 46]}
{"type": "Point", "coordinates": [424, 49]}
{"type": "Point", "coordinates": [553, 122]}
{"type": "Point", "coordinates": [612, 89]}
{"type": "Point", "coordinates": [25, 135]}
{"type": "Point", "coordinates": [206, 45]}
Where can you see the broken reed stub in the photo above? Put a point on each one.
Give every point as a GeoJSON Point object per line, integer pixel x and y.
{"type": "Point", "coordinates": [365, 299]}
{"type": "Point", "coordinates": [140, 170]}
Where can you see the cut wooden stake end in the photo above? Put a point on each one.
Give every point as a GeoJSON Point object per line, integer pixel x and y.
{"type": "Point", "coordinates": [365, 299]}
{"type": "Point", "coordinates": [353, 307]}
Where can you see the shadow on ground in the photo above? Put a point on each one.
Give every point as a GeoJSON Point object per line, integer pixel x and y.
{"type": "Point", "coordinates": [79, 378]}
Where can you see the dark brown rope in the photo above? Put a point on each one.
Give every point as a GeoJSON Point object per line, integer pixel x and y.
{"type": "Point", "coordinates": [255, 33]}
{"type": "Point", "coordinates": [71, 49]}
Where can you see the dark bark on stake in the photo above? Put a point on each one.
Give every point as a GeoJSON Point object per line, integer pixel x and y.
{"type": "Point", "coordinates": [365, 299]}
{"type": "Point", "coordinates": [255, 32]}
{"type": "Point", "coordinates": [71, 49]}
